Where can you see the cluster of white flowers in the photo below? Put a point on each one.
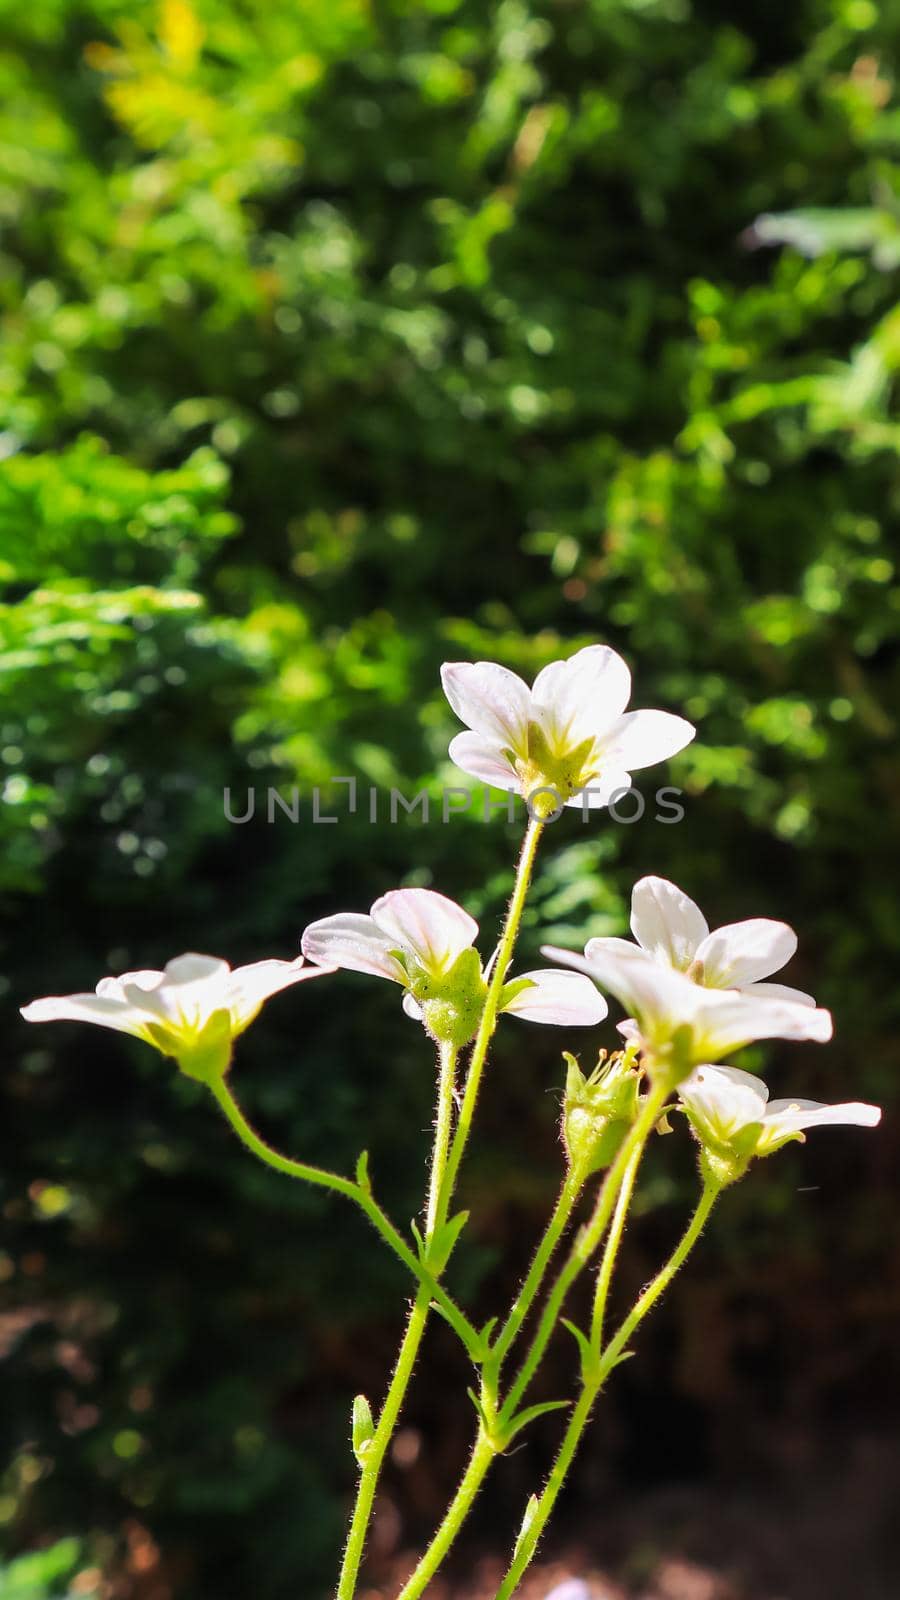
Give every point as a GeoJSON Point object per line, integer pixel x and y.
{"type": "Point", "coordinates": [692, 995]}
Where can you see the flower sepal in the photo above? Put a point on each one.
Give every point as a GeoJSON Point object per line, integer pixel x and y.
{"type": "Point", "coordinates": [549, 779]}
{"type": "Point", "coordinates": [672, 1058]}
{"type": "Point", "coordinates": [451, 1003]}
{"type": "Point", "coordinates": [207, 1055]}
{"type": "Point", "coordinates": [513, 989]}
{"type": "Point", "coordinates": [598, 1111]}
{"type": "Point", "coordinates": [720, 1169]}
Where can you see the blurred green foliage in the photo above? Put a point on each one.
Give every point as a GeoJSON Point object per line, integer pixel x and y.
{"type": "Point", "coordinates": [339, 339]}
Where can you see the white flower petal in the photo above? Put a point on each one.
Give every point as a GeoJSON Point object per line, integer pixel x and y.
{"type": "Point", "coordinates": [777, 991]}
{"type": "Point", "coordinates": [250, 986]}
{"type": "Point", "coordinates": [627, 972]}
{"type": "Point", "coordinates": [489, 699]}
{"type": "Point", "coordinates": [412, 1007]}
{"type": "Point", "coordinates": [723, 1100]}
{"type": "Point", "coordinates": [666, 922]}
{"type": "Point", "coordinates": [727, 1020]}
{"type": "Point", "coordinates": [351, 940]}
{"type": "Point", "coordinates": [436, 930]}
{"type": "Point", "coordinates": [191, 989]}
{"type": "Point", "coordinates": [145, 978]}
{"type": "Point", "coordinates": [742, 952]}
{"type": "Point", "coordinates": [562, 998]}
{"type": "Point", "coordinates": [793, 1116]}
{"type": "Point", "coordinates": [484, 760]}
{"type": "Point", "coordinates": [641, 738]}
{"type": "Point", "coordinates": [102, 1009]}
{"type": "Point", "coordinates": [582, 697]}
{"type": "Point", "coordinates": [736, 1078]}
{"type": "Point", "coordinates": [596, 949]}
{"type": "Point", "coordinates": [192, 968]}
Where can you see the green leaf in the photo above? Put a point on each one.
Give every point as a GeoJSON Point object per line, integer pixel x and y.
{"type": "Point", "coordinates": [363, 1428]}
{"type": "Point", "coordinates": [443, 1242]}
{"type": "Point", "coordinates": [522, 1541]}
{"type": "Point", "coordinates": [586, 1350]}
{"type": "Point", "coordinates": [530, 1414]}
{"type": "Point", "coordinates": [487, 1419]}
{"type": "Point", "coordinates": [362, 1172]}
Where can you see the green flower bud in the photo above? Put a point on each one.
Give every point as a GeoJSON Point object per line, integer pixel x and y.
{"type": "Point", "coordinates": [598, 1110]}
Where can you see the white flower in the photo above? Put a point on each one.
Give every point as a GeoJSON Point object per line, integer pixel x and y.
{"type": "Point", "coordinates": [731, 1111]}
{"type": "Point", "coordinates": [405, 928]}
{"type": "Point", "coordinates": [192, 1010]}
{"type": "Point", "coordinates": [670, 927]}
{"type": "Point", "coordinates": [569, 733]}
{"type": "Point", "coordinates": [423, 941]}
{"type": "Point", "coordinates": [681, 1023]}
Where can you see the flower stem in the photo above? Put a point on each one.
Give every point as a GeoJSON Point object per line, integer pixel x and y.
{"type": "Point", "coordinates": [587, 1241]}
{"type": "Point", "coordinates": [591, 1388]}
{"type": "Point", "coordinates": [436, 1210]}
{"type": "Point", "coordinates": [611, 1251]}
{"type": "Point", "coordinates": [584, 1247]}
{"type": "Point", "coordinates": [524, 1300]}
{"type": "Point", "coordinates": [436, 1214]}
{"type": "Point", "coordinates": [492, 1000]}
{"type": "Point", "coordinates": [356, 1192]}
{"type": "Point", "coordinates": [458, 1510]}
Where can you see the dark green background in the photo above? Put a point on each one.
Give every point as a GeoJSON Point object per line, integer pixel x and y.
{"type": "Point", "coordinates": [341, 339]}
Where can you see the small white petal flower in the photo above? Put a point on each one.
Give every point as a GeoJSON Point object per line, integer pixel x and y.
{"type": "Point", "coordinates": [666, 1004]}
{"type": "Point", "coordinates": [416, 937]}
{"type": "Point", "coordinates": [192, 1010]}
{"type": "Point", "coordinates": [673, 936]}
{"type": "Point", "coordinates": [723, 1101]}
{"type": "Point", "coordinates": [569, 733]}
{"type": "Point", "coordinates": [434, 929]}
{"type": "Point", "coordinates": [670, 927]}
{"type": "Point", "coordinates": [730, 1111]}
{"type": "Point", "coordinates": [406, 929]}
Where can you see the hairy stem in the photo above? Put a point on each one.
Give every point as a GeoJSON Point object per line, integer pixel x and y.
{"type": "Point", "coordinates": [524, 1300]}
{"type": "Point", "coordinates": [611, 1251]}
{"type": "Point", "coordinates": [435, 1216]}
{"type": "Point", "coordinates": [492, 1001]}
{"type": "Point", "coordinates": [356, 1192]}
{"type": "Point", "coordinates": [592, 1386]}
{"type": "Point", "coordinates": [448, 1155]}
{"type": "Point", "coordinates": [588, 1241]}
{"type": "Point", "coordinates": [459, 1508]}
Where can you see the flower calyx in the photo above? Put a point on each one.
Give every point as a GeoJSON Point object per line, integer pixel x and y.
{"type": "Point", "coordinates": [598, 1110]}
